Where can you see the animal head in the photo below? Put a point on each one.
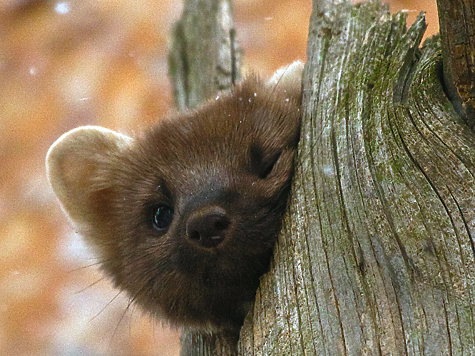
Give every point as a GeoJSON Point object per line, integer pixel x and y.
{"type": "Point", "coordinates": [184, 216]}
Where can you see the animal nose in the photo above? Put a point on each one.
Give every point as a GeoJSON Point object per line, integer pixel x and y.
{"type": "Point", "coordinates": [207, 226]}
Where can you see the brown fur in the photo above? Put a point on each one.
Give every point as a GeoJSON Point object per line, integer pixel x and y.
{"type": "Point", "coordinates": [230, 160]}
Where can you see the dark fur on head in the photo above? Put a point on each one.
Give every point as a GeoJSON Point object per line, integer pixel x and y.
{"type": "Point", "coordinates": [185, 215]}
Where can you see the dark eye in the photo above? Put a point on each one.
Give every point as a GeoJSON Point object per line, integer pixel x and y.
{"type": "Point", "coordinates": [162, 217]}
{"type": "Point", "coordinates": [262, 164]}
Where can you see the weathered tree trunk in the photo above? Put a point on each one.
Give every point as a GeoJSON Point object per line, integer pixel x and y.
{"type": "Point", "coordinates": [377, 251]}
{"type": "Point", "coordinates": [377, 254]}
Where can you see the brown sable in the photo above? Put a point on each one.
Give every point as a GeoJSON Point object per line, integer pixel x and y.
{"type": "Point", "coordinates": [185, 215]}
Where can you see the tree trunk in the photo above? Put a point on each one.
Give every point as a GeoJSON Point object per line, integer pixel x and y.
{"type": "Point", "coordinates": [376, 255]}
{"type": "Point", "coordinates": [204, 59]}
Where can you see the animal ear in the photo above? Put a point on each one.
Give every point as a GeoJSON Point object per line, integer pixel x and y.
{"type": "Point", "coordinates": [288, 79]}
{"type": "Point", "coordinates": [77, 166]}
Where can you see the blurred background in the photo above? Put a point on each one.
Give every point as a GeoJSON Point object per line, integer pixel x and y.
{"type": "Point", "coordinates": [67, 63]}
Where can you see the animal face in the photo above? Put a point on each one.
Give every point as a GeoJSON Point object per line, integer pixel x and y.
{"type": "Point", "coordinates": [184, 216]}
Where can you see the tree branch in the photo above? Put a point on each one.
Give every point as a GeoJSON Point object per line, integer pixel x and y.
{"type": "Point", "coordinates": [457, 30]}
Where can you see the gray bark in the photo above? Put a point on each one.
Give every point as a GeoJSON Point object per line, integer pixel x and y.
{"type": "Point", "coordinates": [203, 344]}
{"type": "Point", "coordinates": [376, 255]}
{"type": "Point", "coordinates": [204, 57]}
{"type": "Point", "coordinates": [457, 30]}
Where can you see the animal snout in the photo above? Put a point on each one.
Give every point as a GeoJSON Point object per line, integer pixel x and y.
{"type": "Point", "coordinates": [208, 226]}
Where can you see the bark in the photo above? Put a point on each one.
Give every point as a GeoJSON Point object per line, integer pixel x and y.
{"type": "Point", "coordinates": [203, 344]}
{"type": "Point", "coordinates": [376, 256]}
{"type": "Point", "coordinates": [457, 30]}
{"type": "Point", "coordinates": [204, 59]}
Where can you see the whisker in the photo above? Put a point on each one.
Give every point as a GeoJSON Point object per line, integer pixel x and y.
{"type": "Point", "coordinates": [90, 285]}
{"type": "Point", "coordinates": [109, 303]}
{"type": "Point", "coordinates": [86, 266]}
{"type": "Point", "coordinates": [129, 304]}
{"type": "Point", "coordinates": [118, 323]}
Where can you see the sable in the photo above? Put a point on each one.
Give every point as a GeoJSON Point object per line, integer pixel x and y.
{"type": "Point", "coordinates": [185, 215]}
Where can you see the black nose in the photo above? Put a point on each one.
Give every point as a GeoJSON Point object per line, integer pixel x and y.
{"type": "Point", "coordinates": [207, 226]}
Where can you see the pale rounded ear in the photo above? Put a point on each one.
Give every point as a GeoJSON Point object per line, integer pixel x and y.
{"type": "Point", "coordinates": [288, 79]}
{"type": "Point", "coordinates": [76, 165]}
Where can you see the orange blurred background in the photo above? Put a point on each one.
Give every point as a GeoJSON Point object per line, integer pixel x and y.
{"type": "Point", "coordinates": [74, 62]}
